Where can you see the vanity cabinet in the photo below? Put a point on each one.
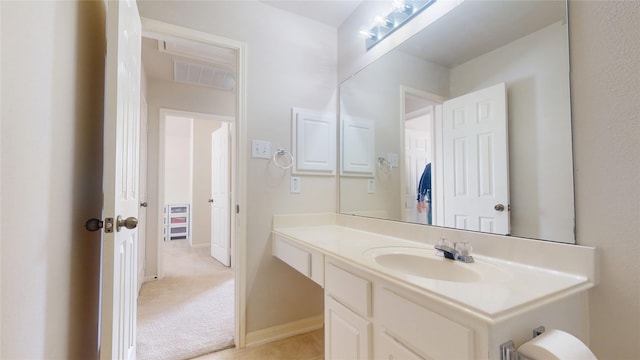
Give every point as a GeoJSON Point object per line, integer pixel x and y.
{"type": "Point", "coordinates": [368, 318]}
{"type": "Point", "coordinates": [348, 326]}
{"type": "Point", "coordinates": [373, 313]}
{"type": "Point", "coordinates": [406, 327]}
{"type": "Point", "coordinates": [347, 335]}
{"type": "Point", "coordinates": [308, 262]}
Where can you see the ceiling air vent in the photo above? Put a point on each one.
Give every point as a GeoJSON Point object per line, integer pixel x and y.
{"type": "Point", "coordinates": [197, 74]}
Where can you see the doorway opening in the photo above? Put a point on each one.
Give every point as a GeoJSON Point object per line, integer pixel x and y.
{"type": "Point", "coordinates": [189, 211]}
{"type": "Point", "coordinates": [189, 310]}
{"type": "Point", "coordinates": [421, 112]}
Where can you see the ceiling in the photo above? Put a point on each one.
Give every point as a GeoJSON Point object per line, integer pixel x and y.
{"type": "Point", "coordinates": [159, 65]}
{"type": "Point", "coordinates": [476, 27]}
{"type": "Point", "coordinates": [330, 12]}
{"type": "Point", "coordinates": [493, 23]}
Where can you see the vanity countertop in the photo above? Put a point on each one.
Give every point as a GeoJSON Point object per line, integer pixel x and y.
{"type": "Point", "coordinates": [524, 287]}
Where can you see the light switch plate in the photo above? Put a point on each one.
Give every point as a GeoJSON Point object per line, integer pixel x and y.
{"type": "Point", "coordinates": [393, 159]}
{"type": "Point", "coordinates": [295, 184]}
{"type": "Point", "coordinates": [260, 149]}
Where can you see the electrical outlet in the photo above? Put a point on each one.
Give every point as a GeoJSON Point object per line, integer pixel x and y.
{"type": "Point", "coordinates": [295, 185]}
{"type": "Point", "coordinates": [371, 186]}
{"type": "Point", "coordinates": [260, 149]}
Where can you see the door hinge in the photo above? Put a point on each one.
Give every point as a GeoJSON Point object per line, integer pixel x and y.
{"type": "Point", "coordinates": [237, 209]}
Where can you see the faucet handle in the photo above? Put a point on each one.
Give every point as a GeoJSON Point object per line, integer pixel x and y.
{"type": "Point", "coordinates": [441, 246]}
{"type": "Point", "coordinates": [463, 248]}
{"type": "Point", "coordinates": [443, 242]}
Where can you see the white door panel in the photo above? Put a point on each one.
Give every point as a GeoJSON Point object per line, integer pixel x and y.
{"type": "Point", "coordinates": [476, 176]}
{"type": "Point", "coordinates": [417, 149]}
{"type": "Point", "coordinates": [120, 182]}
{"type": "Point", "coordinates": [220, 195]}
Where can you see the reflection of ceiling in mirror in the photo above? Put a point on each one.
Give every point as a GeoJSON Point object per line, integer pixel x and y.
{"type": "Point", "coordinates": [492, 23]}
{"type": "Point", "coordinates": [415, 103]}
{"type": "Point", "coordinates": [330, 12]}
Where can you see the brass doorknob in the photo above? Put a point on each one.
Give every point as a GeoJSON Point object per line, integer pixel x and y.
{"type": "Point", "coordinates": [94, 224]}
{"type": "Point", "coordinates": [130, 223]}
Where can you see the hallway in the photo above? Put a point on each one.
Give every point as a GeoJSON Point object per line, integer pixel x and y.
{"type": "Point", "coordinates": [189, 312]}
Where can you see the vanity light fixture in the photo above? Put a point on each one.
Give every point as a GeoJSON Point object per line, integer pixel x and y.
{"type": "Point", "coordinates": [403, 11]}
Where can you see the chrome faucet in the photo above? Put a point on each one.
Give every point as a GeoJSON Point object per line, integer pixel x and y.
{"type": "Point", "coordinates": [459, 252]}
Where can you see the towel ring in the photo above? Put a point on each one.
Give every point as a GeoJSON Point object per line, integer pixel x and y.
{"type": "Point", "coordinates": [282, 152]}
{"type": "Point", "coordinates": [382, 161]}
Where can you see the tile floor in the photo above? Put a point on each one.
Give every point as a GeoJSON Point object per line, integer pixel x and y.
{"type": "Point", "coordinates": [308, 346]}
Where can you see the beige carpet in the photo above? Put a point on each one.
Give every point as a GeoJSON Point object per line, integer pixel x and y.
{"type": "Point", "coordinates": [189, 312]}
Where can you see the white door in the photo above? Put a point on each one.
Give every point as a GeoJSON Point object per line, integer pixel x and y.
{"type": "Point", "coordinates": [120, 182]}
{"type": "Point", "coordinates": [220, 195]}
{"type": "Point", "coordinates": [142, 214]}
{"type": "Point", "coordinates": [476, 175]}
{"type": "Point", "coordinates": [417, 149]}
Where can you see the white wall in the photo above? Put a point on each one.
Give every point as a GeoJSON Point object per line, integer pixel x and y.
{"type": "Point", "coordinates": [291, 63]}
{"type": "Point", "coordinates": [535, 70]}
{"type": "Point", "coordinates": [52, 120]}
{"type": "Point", "coordinates": [178, 169]}
{"type": "Point", "coordinates": [605, 68]}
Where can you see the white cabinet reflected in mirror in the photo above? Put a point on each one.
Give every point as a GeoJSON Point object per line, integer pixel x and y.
{"type": "Point", "coordinates": [430, 101]}
{"type": "Point", "coordinates": [358, 147]}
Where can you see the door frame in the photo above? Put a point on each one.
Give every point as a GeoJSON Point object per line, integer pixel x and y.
{"type": "Point", "coordinates": [163, 114]}
{"type": "Point", "coordinates": [153, 28]}
{"type": "Point", "coordinates": [437, 100]}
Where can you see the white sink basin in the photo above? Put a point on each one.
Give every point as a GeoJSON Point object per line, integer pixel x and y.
{"type": "Point", "coordinates": [424, 263]}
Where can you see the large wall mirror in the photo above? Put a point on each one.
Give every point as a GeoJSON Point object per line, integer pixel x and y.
{"type": "Point", "coordinates": [482, 96]}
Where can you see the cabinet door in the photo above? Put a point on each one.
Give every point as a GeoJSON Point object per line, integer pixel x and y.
{"type": "Point", "coordinates": [314, 142]}
{"type": "Point", "coordinates": [427, 333]}
{"type": "Point", "coordinates": [347, 335]}
{"type": "Point", "coordinates": [358, 147]}
{"type": "Point", "coordinates": [389, 348]}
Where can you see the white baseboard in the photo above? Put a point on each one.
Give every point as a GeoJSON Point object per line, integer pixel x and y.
{"type": "Point", "coordinates": [284, 331]}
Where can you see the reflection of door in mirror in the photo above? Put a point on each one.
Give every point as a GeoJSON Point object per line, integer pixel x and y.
{"type": "Point", "coordinates": [474, 149]}
{"type": "Point", "coordinates": [521, 43]}
{"type": "Point", "coordinates": [418, 143]}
